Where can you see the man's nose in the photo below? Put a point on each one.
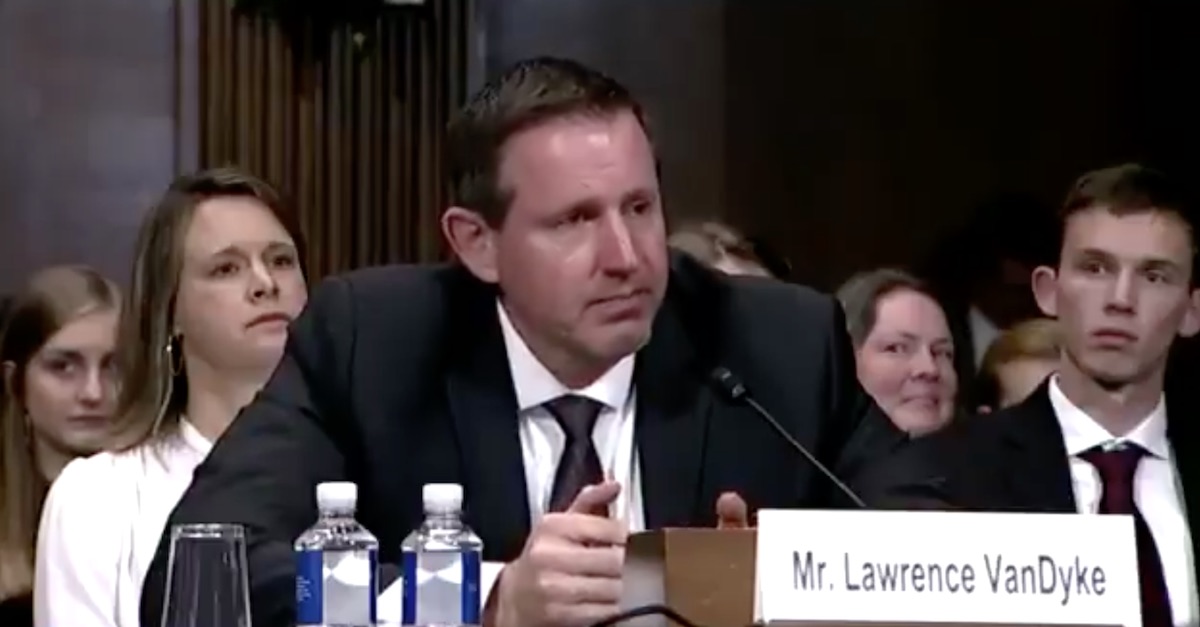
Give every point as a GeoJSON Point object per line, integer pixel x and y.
{"type": "Point", "coordinates": [1122, 293]}
{"type": "Point", "coordinates": [618, 253]}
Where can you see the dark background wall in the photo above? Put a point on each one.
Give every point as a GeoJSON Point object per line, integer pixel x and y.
{"type": "Point", "coordinates": [87, 129]}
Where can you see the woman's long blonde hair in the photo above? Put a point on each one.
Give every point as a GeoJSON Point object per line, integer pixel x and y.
{"type": "Point", "coordinates": [151, 357]}
{"type": "Point", "coordinates": [53, 299]}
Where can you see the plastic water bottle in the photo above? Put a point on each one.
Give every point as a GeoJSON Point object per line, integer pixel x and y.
{"type": "Point", "coordinates": [336, 564]}
{"type": "Point", "coordinates": [441, 564]}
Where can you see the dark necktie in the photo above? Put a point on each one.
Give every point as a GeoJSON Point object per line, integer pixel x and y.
{"type": "Point", "coordinates": [1117, 468]}
{"type": "Point", "coordinates": [580, 465]}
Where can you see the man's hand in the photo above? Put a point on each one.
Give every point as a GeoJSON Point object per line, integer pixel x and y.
{"type": "Point", "coordinates": [570, 571]}
{"type": "Point", "coordinates": [732, 512]}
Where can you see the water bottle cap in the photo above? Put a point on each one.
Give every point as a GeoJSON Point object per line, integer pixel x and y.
{"type": "Point", "coordinates": [442, 497]}
{"type": "Point", "coordinates": [337, 495]}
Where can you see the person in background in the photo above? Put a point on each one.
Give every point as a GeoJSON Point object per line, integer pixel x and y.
{"type": "Point", "coordinates": [1017, 363]}
{"type": "Point", "coordinates": [1099, 436]}
{"type": "Point", "coordinates": [903, 348]}
{"type": "Point", "coordinates": [980, 274]}
{"type": "Point", "coordinates": [217, 279]}
{"type": "Point", "coordinates": [719, 246]}
{"type": "Point", "coordinates": [59, 391]}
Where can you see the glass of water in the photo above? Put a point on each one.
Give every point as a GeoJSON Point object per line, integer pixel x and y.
{"type": "Point", "coordinates": [207, 583]}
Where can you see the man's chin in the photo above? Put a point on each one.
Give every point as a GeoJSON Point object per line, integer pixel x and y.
{"type": "Point", "coordinates": [622, 345]}
{"type": "Point", "coordinates": [1112, 377]}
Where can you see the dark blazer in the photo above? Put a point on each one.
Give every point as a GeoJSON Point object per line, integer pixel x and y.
{"type": "Point", "coordinates": [1016, 460]}
{"type": "Point", "coordinates": [17, 612]}
{"type": "Point", "coordinates": [396, 377]}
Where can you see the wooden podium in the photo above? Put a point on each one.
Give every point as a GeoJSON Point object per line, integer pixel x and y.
{"type": "Point", "coordinates": [708, 576]}
{"type": "Point", "coordinates": [704, 574]}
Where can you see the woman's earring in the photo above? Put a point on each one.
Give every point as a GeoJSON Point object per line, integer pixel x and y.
{"type": "Point", "coordinates": [175, 354]}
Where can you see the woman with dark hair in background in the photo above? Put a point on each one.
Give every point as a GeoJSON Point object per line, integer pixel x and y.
{"type": "Point", "coordinates": [903, 348]}
{"type": "Point", "coordinates": [217, 279]}
{"type": "Point", "coordinates": [719, 246]}
{"type": "Point", "coordinates": [56, 346]}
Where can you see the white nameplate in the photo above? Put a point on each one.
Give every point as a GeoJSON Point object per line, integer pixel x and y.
{"type": "Point", "coordinates": [946, 567]}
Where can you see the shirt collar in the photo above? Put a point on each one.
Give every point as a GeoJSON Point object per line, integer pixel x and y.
{"type": "Point", "coordinates": [192, 438]}
{"type": "Point", "coordinates": [535, 385]}
{"type": "Point", "coordinates": [1082, 433]}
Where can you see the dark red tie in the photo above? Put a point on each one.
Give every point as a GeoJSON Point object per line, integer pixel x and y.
{"type": "Point", "coordinates": [579, 466]}
{"type": "Point", "coordinates": [1117, 468]}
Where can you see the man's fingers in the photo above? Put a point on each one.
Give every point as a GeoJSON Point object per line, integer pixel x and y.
{"type": "Point", "coordinates": [594, 497]}
{"type": "Point", "coordinates": [732, 512]}
{"type": "Point", "coordinates": [576, 560]}
{"type": "Point", "coordinates": [584, 529]}
{"type": "Point", "coordinates": [572, 590]}
{"type": "Point", "coordinates": [580, 614]}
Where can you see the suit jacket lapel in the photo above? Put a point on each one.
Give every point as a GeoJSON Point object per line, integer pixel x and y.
{"type": "Point", "coordinates": [673, 404]}
{"type": "Point", "coordinates": [484, 410]}
{"type": "Point", "coordinates": [1181, 432]}
{"type": "Point", "coordinates": [1038, 472]}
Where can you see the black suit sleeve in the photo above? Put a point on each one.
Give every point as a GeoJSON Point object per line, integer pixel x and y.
{"type": "Point", "coordinates": [263, 471]}
{"type": "Point", "coordinates": [883, 466]}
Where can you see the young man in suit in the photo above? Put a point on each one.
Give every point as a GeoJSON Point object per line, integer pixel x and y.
{"type": "Point", "coordinates": [560, 372]}
{"type": "Point", "coordinates": [1096, 437]}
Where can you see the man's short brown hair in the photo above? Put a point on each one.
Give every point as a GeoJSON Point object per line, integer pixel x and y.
{"type": "Point", "coordinates": [529, 93]}
{"type": "Point", "coordinates": [1128, 189]}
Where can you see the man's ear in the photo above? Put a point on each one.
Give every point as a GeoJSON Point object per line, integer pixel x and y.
{"type": "Point", "coordinates": [1045, 290]}
{"type": "Point", "coordinates": [473, 242]}
{"type": "Point", "coordinates": [1191, 320]}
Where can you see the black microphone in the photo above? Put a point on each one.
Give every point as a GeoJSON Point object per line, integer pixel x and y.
{"type": "Point", "coordinates": [735, 391]}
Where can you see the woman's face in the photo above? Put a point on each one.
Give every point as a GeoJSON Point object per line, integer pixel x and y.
{"type": "Point", "coordinates": [240, 285]}
{"type": "Point", "coordinates": [906, 362]}
{"type": "Point", "coordinates": [70, 385]}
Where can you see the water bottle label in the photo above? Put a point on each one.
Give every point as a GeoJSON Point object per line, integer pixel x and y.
{"type": "Point", "coordinates": [441, 588]}
{"type": "Point", "coordinates": [336, 587]}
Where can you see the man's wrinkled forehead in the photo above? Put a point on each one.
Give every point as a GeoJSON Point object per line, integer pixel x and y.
{"type": "Point", "coordinates": [560, 154]}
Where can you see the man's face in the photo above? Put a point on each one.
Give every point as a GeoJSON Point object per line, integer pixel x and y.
{"type": "Point", "coordinates": [581, 256]}
{"type": "Point", "coordinates": [1121, 293]}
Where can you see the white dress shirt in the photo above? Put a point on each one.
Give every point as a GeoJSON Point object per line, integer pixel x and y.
{"type": "Point", "coordinates": [543, 441]}
{"type": "Point", "coordinates": [100, 528]}
{"type": "Point", "coordinates": [983, 333]}
{"type": "Point", "coordinates": [1156, 490]}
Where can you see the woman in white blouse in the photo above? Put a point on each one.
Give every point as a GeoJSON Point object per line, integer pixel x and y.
{"type": "Point", "coordinates": [217, 277]}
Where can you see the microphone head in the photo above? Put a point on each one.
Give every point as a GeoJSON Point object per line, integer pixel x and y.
{"type": "Point", "coordinates": [728, 383]}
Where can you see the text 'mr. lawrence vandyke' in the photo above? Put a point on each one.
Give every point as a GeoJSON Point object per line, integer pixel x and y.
{"type": "Point", "coordinates": [993, 573]}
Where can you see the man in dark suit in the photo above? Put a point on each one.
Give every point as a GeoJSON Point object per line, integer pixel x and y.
{"type": "Point", "coordinates": [559, 373]}
{"type": "Point", "coordinates": [1095, 437]}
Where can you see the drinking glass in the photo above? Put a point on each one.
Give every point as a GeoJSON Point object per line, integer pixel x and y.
{"type": "Point", "coordinates": [207, 582]}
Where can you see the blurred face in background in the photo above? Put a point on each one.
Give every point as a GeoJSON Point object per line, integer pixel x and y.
{"type": "Point", "coordinates": [906, 362]}
{"type": "Point", "coordinates": [1017, 379]}
{"type": "Point", "coordinates": [240, 286]}
{"type": "Point", "coordinates": [70, 385]}
{"type": "Point", "coordinates": [736, 267]}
